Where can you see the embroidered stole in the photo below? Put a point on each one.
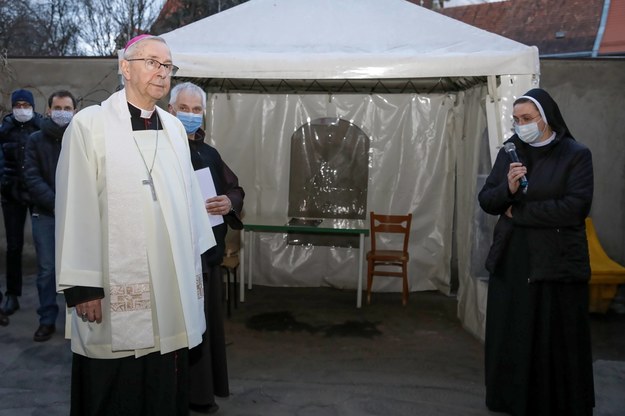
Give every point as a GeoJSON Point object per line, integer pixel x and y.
{"type": "Point", "coordinates": [129, 278]}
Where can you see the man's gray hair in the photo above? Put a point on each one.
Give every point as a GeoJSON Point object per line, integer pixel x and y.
{"type": "Point", "coordinates": [130, 51]}
{"type": "Point", "coordinates": [189, 87]}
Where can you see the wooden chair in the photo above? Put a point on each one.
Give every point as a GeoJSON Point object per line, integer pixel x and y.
{"type": "Point", "coordinates": [388, 257]}
{"type": "Point", "coordinates": [230, 264]}
{"type": "Point", "coordinates": [606, 274]}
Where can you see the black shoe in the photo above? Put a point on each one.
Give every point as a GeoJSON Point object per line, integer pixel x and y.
{"type": "Point", "coordinates": [44, 333]}
{"type": "Point", "coordinates": [206, 409]}
{"type": "Point", "coordinates": [11, 304]}
{"type": "Point", "coordinates": [4, 320]}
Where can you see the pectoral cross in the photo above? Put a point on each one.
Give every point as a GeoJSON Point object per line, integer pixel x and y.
{"type": "Point", "coordinates": [150, 182]}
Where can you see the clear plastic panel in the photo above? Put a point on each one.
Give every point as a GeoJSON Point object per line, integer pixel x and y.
{"type": "Point", "coordinates": [411, 169]}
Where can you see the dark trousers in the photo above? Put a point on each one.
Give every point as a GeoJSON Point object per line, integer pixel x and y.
{"type": "Point", "coordinates": [43, 237]}
{"type": "Point", "coordinates": [14, 224]}
{"type": "Point", "coordinates": [152, 385]}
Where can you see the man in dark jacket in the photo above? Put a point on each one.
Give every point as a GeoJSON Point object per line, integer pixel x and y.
{"type": "Point", "coordinates": [208, 371]}
{"type": "Point", "coordinates": [42, 154]}
{"type": "Point", "coordinates": [14, 132]}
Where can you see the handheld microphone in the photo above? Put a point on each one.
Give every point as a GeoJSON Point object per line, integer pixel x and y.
{"type": "Point", "coordinates": [510, 149]}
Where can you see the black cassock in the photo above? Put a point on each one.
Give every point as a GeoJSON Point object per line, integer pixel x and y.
{"type": "Point", "coordinates": [208, 369]}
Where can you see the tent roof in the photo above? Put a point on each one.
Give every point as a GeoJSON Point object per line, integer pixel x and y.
{"type": "Point", "coordinates": [346, 39]}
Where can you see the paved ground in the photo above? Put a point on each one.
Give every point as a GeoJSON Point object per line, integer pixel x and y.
{"type": "Point", "coordinates": [309, 352]}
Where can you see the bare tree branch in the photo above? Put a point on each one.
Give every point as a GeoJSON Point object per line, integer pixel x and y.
{"type": "Point", "coordinates": [112, 23]}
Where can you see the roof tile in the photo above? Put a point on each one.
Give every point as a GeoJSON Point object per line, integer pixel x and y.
{"type": "Point", "coordinates": [554, 26]}
{"type": "Point", "coordinates": [613, 41]}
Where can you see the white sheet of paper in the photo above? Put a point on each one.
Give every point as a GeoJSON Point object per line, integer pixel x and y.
{"type": "Point", "coordinates": [207, 186]}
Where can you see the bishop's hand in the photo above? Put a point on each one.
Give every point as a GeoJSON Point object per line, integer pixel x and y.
{"type": "Point", "coordinates": [90, 311]}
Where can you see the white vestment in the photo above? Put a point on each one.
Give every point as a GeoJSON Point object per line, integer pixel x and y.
{"type": "Point", "coordinates": [161, 239]}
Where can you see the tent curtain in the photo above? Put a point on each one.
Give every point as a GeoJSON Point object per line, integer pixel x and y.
{"type": "Point", "coordinates": [472, 241]}
{"type": "Point", "coordinates": [414, 142]}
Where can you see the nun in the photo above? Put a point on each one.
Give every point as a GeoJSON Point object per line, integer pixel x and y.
{"type": "Point", "coordinates": [538, 358]}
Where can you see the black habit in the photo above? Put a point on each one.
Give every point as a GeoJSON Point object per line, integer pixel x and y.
{"type": "Point", "coordinates": [538, 359]}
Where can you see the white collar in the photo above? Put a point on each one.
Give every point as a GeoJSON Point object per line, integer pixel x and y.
{"type": "Point", "coordinates": [546, 142]}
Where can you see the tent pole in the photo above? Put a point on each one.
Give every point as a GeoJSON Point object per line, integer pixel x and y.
{"type": "Point", "coordinates": [493, 117]}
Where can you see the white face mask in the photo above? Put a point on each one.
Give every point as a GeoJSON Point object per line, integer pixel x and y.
{"type": "Point", "coordinates": [23, 114]}
{"type": "Point", "coordinates": [529, 133]}
{"type": "Point", "coordinates": [61, 117]}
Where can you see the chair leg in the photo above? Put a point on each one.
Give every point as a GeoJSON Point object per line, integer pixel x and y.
{"type": "Point", "coordinates": [404, 299]}
{"type": "Point", "coordinates": [228, 294]}
{"type": "Point", "coordinates": [224, 293]}
{"type": "Point", "coordinates": [369, 280]}
{"type": "Point", "coordinates": [234, 288]}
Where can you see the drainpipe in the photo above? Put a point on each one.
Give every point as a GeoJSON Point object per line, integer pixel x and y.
{"type": "Point", "coordinates": [602, 23]}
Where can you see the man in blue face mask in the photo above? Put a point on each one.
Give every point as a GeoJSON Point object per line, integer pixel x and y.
{"type": "Point", "coordinates": [208, 371]}
{"type": "Point", "coordinates": [14, 132]}
{"type": "Point", "coordinates": [42, 154]}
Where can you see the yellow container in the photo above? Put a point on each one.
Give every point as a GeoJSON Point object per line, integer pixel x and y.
{"type": "Point", "coordinates": [606, 274]}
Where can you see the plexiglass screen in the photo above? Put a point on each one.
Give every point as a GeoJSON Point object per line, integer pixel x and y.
{"type": "Point", "coordinates": [329, 170]}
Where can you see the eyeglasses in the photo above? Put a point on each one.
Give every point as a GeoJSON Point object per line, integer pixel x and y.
{"type": "Point", "coordinates": [523, 120]}
{"type": "Point", "coordinates": [153, 65]}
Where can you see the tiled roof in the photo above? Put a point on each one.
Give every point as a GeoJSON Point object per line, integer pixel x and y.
{"type": "Point", "coordinates": [554, 26]}
{"type": "Point", "coordinates": [613, 40]}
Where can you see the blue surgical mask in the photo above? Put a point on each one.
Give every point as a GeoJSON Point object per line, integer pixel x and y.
{"type": "Point", "coordinates": [529, 133]}
{"type": "Point", "coordinates": [190, 121]}
{"type": "Point", "coordinates": [61, 117]}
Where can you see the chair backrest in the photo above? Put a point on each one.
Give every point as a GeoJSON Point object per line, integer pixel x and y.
{"type": "Point", "coordinates": [233, 242]}
{"type": "Point", "coordinates": [390, 224]}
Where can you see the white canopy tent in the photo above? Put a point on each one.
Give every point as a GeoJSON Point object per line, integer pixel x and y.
{"type": "Point", "coordinates": [425, 144]}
